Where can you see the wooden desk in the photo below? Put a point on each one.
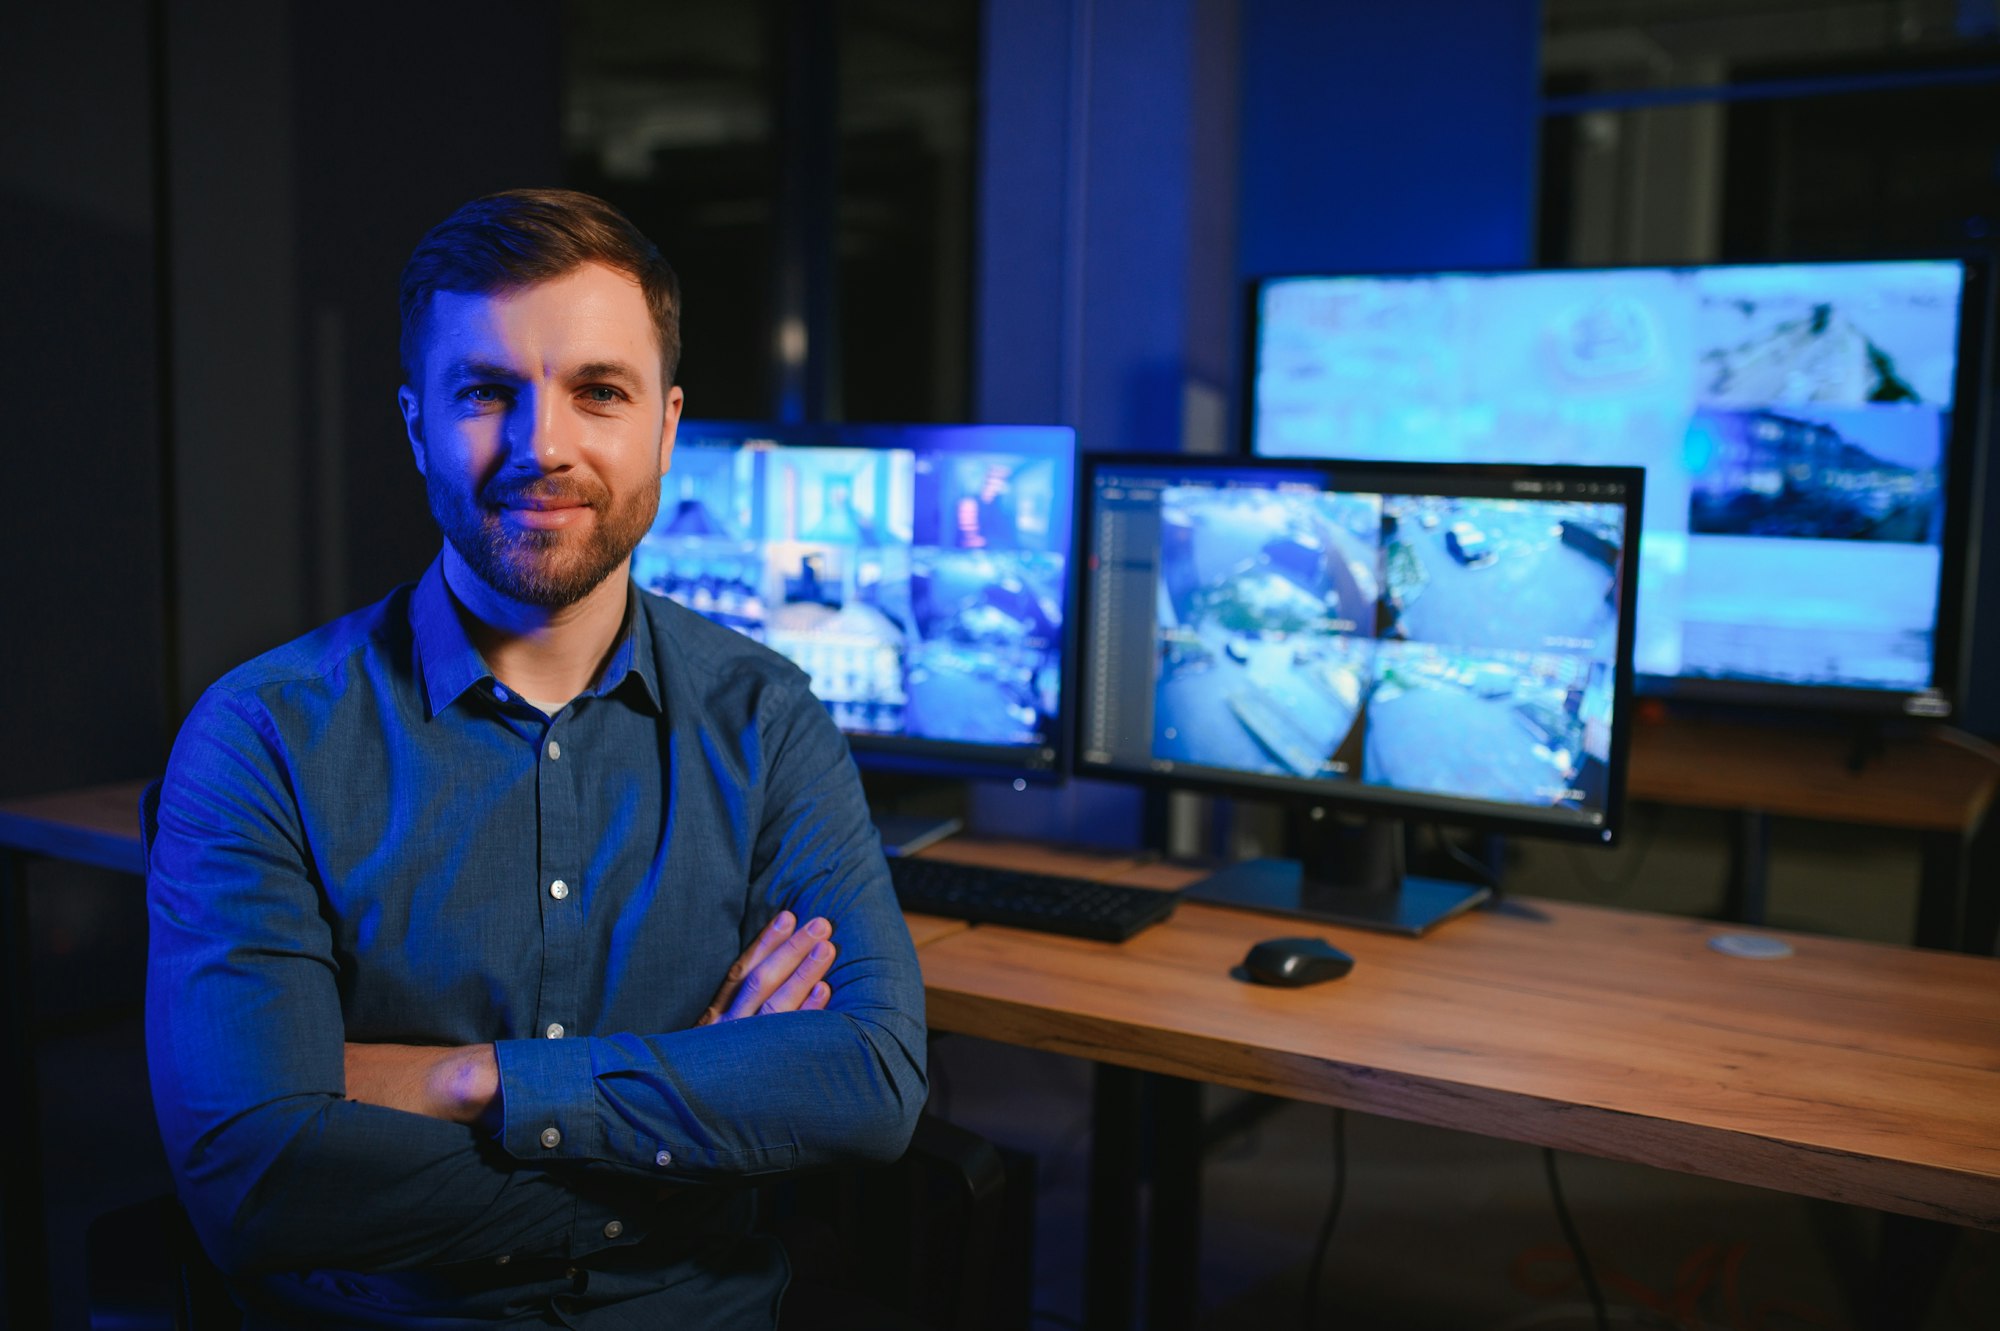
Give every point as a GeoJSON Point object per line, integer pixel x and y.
{"type": "Point", "coordinates": [1852, 1072]}
{"type": "Point", "coordinates": [1921, 785]}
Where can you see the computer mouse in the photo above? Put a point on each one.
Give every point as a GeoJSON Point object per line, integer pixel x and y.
{"type": "Point", "coordinates": [1292, 962]}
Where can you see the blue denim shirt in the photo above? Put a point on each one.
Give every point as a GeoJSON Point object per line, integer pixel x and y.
{"type": "Point", "coordinates": [364, 836]}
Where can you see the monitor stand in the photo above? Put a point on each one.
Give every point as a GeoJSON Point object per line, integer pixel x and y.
{"type": "Point", "coordinates": [1349, 874]}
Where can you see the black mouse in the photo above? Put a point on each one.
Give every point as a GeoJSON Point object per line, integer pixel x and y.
{"type": "Point", "coordinates": [1295, 961]}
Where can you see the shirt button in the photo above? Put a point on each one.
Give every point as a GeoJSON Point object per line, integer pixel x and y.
{"type": "Point", "coordinates": [551, 1138]}
{"type": "Point", "coordinates": [555, 749]}
{"type": "Point", "coordinates": [499, 693]}
{"type": "Point", "coordinates": [503, 1259]}
{"type": "Point", "coordinates": [663, 1159]}
{"type": "Point", "coordinates": [555, 1030]}
{"type": "Point", "coordinates": [558, 889]}
{"type": "Point", "coordinates": [614, 1229]}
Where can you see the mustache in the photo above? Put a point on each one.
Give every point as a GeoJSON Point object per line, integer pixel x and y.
{"type": "Point", "coordinates": [540, 491]}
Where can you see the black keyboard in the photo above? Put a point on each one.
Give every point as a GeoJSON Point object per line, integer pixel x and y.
{"type": "Point", "coordinates": [986, 894]}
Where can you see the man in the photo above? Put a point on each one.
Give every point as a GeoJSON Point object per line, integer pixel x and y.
{"type": "Point", "coordinates": [502, 930]}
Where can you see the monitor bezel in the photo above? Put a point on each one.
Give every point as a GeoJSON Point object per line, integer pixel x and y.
{"type": "Point", "coordinates": [1951, 674]}
{"type": "Point", "coordinates": [906, 755]}
{"type": "Point", "coordinates": [1354, 797]}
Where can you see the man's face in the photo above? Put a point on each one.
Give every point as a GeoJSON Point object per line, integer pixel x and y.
{"type": "Point", "coordinates": [542, 426]}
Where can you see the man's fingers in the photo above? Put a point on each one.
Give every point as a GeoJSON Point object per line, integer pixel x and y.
{"type": "Point", "coordinates": [791, 996]}
{"type": "Point", "coordinates": [774, 935]}
{"type": "Point", "coordinates": [765, 980]}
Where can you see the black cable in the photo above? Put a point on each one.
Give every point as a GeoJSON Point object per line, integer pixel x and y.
{"type": "Point", "coordinates": [1332, 1218]}
{"type": "Point", "coordinates": [1487, 878]}
{"type": "Point", "coordinates": [1058, 1319]}
{"type": "Point", "coordinates": [1575, 1244]}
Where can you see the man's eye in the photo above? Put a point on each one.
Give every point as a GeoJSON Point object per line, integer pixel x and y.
{"type": "Point", "coordinates": [602, 393]}
{"type": "Point", "coordinates": [485, 393]}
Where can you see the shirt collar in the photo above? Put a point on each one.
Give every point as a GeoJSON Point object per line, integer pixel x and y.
{"type": "Point", "coordinates": [450, 664]}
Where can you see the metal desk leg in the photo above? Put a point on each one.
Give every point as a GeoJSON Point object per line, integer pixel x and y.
{"type": "Point", "coordinates": [24, 1244]}
{"type": "Point", "coordinates": [1145, 1128]}
{"type": "Point", "coordinates": [1173, 1240]}
{"type": "Point", "coordinates": [1940, 892]}
{"type": "Point", "coordinates": [1117, 1156]}
{"type": "Point", "coordinates": [1748, 897]}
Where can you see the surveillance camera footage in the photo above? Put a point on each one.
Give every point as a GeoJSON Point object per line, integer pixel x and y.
{"type": "Point", "coordinates": [1456, 645]}
{"type": "Point", "coordinates": [921, 586]}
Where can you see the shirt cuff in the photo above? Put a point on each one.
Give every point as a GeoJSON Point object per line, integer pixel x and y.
{"type": "Point", "coordinates": [548, 1101]}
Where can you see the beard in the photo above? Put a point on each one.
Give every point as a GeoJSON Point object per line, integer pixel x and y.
{"type": "Point", "coordinates": [548, 569]}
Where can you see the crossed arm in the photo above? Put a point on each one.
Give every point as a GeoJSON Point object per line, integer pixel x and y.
{"type": "Point", "coordinates": [783, 970]}
{"type": "Point", "coordinates": [288, 1145]}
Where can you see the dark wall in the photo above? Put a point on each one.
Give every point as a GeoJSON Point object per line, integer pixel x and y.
{"type": "Point", "coordinates": [81, 620]}
{"type": "Point", "coordinates": [203, 223]}
{"type": "Point", "coordinates": [1381, 136]}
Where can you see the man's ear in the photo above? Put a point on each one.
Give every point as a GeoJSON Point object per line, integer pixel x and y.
{"type": "Point", "coordinates": [669, 426]}
{"type": "Point", "coordinates": [413, 423]}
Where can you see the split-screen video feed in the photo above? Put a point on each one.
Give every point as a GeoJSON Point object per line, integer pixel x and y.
{"type": "Point", "coordinates": [1456, 646]}
{"type": "Point", "coordinates": [921, 591]}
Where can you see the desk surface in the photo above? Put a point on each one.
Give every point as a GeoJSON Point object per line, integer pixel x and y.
{"type": "Point", "coordinates": [99, 825]}
{"type": "Point", "coordinates": [1849, 1071]}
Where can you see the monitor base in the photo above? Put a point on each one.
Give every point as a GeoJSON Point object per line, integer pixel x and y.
{"type": "Point", "coordinates": [1279, 887]}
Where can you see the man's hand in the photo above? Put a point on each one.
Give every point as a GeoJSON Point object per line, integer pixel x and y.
{"type": "Point", "coordinates": [458, 1084]}
{"type": "Point", "coordinates": [783, 971]}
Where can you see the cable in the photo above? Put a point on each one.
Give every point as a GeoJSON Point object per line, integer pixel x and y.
{"type": "Point", "coordinates": [1575, 1243]}
{"type": "Point", "coordinates": [1053, 1317]}
{"type": "Point", "coordinates": [1325, 1240]}
{"type": "Point", "coordinates": [1487, 877]}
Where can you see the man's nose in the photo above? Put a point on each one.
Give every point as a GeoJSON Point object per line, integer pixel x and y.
{"type": "Point", "coordinates": [543, 434]}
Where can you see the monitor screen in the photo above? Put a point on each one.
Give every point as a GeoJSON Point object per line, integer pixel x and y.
{"type": "Point", "coordinates": [1805, 430]}
{"type": "Point", "coordinates": [1448, 642]}
{"type": "Point", "coordinates": [917, 573]}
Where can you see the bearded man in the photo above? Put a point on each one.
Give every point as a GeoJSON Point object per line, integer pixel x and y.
{"type": "Point", "coordinates": [504, 930]}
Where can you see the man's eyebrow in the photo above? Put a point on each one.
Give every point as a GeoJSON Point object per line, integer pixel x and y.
{"type": "Point", "coordinates": [478, 371]}
{"type": "Point", "coordinates": [606, 369]}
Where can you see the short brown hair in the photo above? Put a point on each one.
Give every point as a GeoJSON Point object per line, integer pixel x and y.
{"type": "Point", "coordinates": [522, 236]}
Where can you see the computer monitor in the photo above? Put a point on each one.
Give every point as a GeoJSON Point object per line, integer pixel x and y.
{"type": "Point", "coordinates": [1808, 432]}
{"type": "Point", "coordinates": [918, 573]}
{"type": "Point", "coordinates": [1383, 641]}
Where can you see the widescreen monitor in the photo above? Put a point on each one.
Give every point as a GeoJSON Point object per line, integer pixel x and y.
{"type": "Point", "coordinates": [918, 574]}
{"type": "Point", "coordinates": [1807, 431]}
{"type": "Point", "coordinates": [1450, 643]}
